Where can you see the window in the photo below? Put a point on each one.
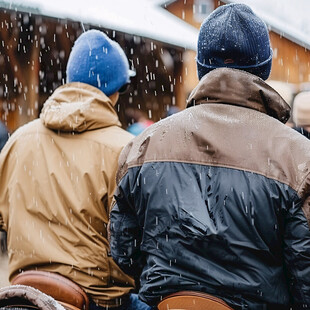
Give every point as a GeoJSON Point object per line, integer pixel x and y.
{"type": "Point", "coordinates": [202, 8]}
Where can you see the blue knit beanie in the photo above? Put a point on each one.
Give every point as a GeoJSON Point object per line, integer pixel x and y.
{"type": "Point", "coordinates": [233, 36]}
{"type": "Point", "coordinates": [99, 61]}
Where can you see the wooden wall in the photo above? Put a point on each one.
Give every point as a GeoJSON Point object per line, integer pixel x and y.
{"type": "Point", "coordinates": [291, 62]}
{"type": "Point", "coordinates": [33, 55]}
{"type": "Point", "coordinates": [34, 51]}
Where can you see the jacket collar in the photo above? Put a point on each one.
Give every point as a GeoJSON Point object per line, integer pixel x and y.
{"type": "Point", "coordinates": [236, 87]}
{"type": "Point", "coordinates": [78, 107]}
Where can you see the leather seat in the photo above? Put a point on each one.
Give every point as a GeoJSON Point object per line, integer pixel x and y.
{"type": "Point", "coordinates": [188, 300]}
{"type": "Point", "coordinates": [67, 293]}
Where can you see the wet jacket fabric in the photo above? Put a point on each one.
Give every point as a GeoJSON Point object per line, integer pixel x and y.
{"type": "Point", "coordinates": [216, 199]}
{"type": "Point", "coordinates": [57, 176]}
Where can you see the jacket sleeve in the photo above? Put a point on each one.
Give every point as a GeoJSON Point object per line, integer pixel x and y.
{"type": "Point", "coordinates": [297, 253]}
{"type": "Point", "coordinates": [125, 233]}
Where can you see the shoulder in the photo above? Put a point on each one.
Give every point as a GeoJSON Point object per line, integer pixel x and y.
{"type": "Point", "coordinates": [33, 127]}
{"type": "Point", "coordinates": [111, 138]}
{"type": "Point", "coordinates": [155, 139]}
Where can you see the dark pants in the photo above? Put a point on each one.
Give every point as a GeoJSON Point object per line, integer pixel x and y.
{"type": "Point", "coordinates": [134, 303]}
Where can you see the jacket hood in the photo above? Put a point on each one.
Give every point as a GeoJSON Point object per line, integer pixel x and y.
{"type": "Point", "coordinates": [237, 87]}
{"type": "Point", "coordinates": [78, 107]}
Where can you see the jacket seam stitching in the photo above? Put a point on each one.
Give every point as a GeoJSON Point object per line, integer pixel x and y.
{"type": "Point", "coordinates": [209, 164]}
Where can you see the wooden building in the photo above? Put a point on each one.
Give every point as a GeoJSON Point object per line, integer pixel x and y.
{"type": "Point", "coordinates": [34, 49]}
{"type": "Point", "coordinates": [291, 57]}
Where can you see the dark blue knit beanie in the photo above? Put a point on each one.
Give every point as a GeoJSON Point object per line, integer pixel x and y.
{"type": "Point", "coordinates": [233, 36]}
{"type": "Point", "coordinates": [99, 61]}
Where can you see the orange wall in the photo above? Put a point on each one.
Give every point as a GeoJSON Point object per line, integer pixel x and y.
{"type": "Point", "coordinates": [184, 10]}
{"type": "Point", "coordinates": [291, 62]}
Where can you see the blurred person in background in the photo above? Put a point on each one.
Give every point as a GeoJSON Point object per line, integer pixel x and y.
{"type": "Point", "coordinates": [138, 121]}
{"type": "Point", "coordinates": [57, 176]}
{"type": "Point", "coordinates": [216, 198]}
{"type": "Point", "coordinates": [172, 110]}
{"type": "Point", "coordinates": [301, 113]}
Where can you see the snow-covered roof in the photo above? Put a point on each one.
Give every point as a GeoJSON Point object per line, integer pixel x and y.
{"type": "Point", "coordinates": [288, 18]}
{"type": "Point", "coordinates": [146, 18]}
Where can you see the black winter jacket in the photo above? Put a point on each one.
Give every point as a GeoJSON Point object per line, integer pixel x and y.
{"type": "Point", "coordinates": [216, 199]}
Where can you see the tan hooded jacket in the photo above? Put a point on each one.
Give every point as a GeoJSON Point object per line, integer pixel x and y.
{"type": "Point", "coordinates": [57, 177]}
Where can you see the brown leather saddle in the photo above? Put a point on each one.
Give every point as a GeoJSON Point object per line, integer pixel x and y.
{"type": "Point", "coordinates": [188, 300]}
{"type": "Point", "coordinates": [43, 290]}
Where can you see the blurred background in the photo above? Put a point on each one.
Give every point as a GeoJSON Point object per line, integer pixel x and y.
{"type": "Point", "coordinates": [159, 38]}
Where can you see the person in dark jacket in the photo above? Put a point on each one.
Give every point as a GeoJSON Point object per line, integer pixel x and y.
{"type": "Point", "coordinates": [216, 198]}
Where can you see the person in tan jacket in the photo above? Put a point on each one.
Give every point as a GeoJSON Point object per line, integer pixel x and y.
{"type": "Point", "coordinates": [57, 176]}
